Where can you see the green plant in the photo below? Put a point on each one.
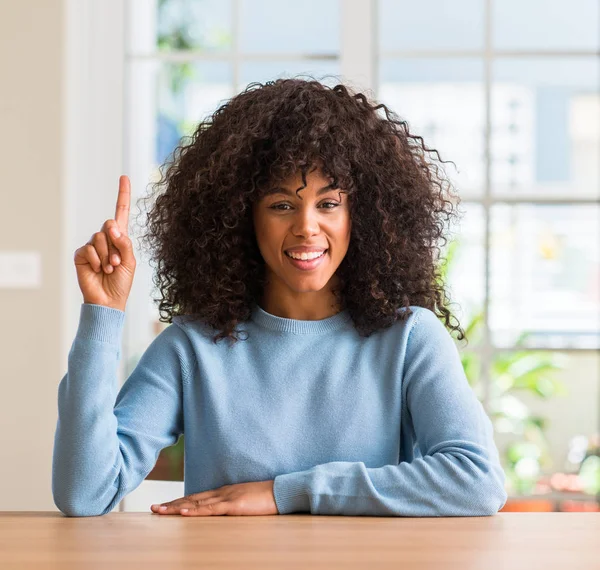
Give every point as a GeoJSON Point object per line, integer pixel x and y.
{"type": "Point", "coordinates": [589, 473]}
{"type": "Point", "coordinates": [179, 32]}
{"type": "Point", "coordinates": [511, 374]}
{"type": "Point", "coordinates": [174, 455]}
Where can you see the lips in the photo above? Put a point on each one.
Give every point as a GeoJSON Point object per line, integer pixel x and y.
{"type": "Point", "coordinates": [307, 264]}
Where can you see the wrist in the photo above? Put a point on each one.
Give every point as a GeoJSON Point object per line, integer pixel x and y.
{"type": "Point", "coordinates": [109, 305]}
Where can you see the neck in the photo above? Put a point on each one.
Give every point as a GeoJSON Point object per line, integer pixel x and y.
{"type": "Point", "coordinates": [312, 306]}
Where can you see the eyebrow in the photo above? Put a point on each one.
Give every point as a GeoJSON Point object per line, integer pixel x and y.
{"type": "Point", "coordinates": [279, 190]}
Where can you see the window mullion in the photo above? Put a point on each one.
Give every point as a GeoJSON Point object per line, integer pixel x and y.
{"type": "Point", "coordinates": [487, 356]}
{"type": "Point", "coordinates": [235, 47]}
{"type": "Point", "coordinates": [358, 54]}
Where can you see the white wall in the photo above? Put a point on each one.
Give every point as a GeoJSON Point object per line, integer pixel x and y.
{"type": "Point", "coordinates": [31, 115]}
{"type": "Point", "coordinates": [61, 149]}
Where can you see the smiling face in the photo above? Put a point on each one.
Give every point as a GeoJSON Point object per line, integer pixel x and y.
{"type": "Point", "coordinates": [315, 217]}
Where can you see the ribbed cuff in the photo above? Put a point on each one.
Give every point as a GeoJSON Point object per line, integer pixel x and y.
{"type": "Point", "coordinates": [97, 322]}
{"type": "Point", "coordinates": [290, 493]}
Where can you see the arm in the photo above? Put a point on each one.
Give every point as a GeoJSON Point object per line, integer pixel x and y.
{"type": "Point", "coordinates": [104, 448]}
{"type": "Point", "coordinates": [459, 473]}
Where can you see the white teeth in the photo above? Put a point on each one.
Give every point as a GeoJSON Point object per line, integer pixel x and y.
{"type": "Point", "coordinates": [304, 256]}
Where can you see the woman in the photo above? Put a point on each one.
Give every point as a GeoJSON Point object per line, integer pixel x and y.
{"type": "Point", "coordinates": [323, 382]}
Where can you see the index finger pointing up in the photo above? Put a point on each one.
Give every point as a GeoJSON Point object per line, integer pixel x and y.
{"type": "Point", "coordinates": [123, 200]}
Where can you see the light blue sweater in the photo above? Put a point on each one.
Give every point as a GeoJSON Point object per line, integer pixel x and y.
{"type": "Point", "coordinates": [383, 426]}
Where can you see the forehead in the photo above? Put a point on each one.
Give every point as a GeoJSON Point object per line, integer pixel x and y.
{"type": "Point", "coordinates": [287, 191]}
{"type": "Point", "coordinates": [288, 186]}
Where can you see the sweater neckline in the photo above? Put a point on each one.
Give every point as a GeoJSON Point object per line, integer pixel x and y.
{"type": "Point", "coordinates": [295, 326]}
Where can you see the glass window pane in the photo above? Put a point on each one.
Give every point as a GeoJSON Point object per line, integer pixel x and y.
{"type": "Point", "coordinates": [165, 101]}
{"type": "Point", "coordinates": [546, 24]}
{"type": "Point", "coordinates": [431, 25]}
{"type": "Point", "coordinates": [465, 271]}
{"type": "Point", "coordinates": [546, 127]}
{"type": "Point", "coordinates": [261, 71]}
{"type": "Point", "coordinates": [545, 270]}
{"type": "Point", "coordinates": [443, 101]}
{"type": "Point", "coordinates": [272, 26]}
{"type": "Point", "coordinates": [187, 94]}
{"type": "Point", "coordinates": [202, 25]}
{"type": "Point", "coordinates": [544, 407]}
{"type": "Point", "coordinates": [199, 24]}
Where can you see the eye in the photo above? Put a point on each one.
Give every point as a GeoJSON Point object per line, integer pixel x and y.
{"type": "Point", "coordinates": [277, 206]}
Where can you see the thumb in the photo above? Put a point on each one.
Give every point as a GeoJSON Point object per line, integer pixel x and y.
{"type": "Point", "coordinates": [122, 242]}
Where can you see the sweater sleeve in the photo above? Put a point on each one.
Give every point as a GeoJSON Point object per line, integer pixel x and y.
{"type": "Point", "coordinates": [104, 447]}
{"type": "Point", "coordinates": [459, 471]}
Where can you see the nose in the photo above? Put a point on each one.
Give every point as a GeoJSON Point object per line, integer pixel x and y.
{"type": "Point", "coordinates": [305, 223]}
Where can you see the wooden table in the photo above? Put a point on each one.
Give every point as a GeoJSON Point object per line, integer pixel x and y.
{"type": "Point", "coordinates": [565, 541]}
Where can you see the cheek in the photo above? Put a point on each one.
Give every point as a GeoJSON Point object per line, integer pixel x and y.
{"type": "Point", "coordinates": [343, 233]}
{"type": "Point", "coordinates": [269, 235]}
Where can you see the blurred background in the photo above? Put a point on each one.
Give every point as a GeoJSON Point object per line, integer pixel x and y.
{"type": "Point", "coordinates": [508, 90]}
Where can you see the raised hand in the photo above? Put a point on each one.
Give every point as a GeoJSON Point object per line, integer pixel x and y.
{"type": "Point", "coordinates": [105, 265]}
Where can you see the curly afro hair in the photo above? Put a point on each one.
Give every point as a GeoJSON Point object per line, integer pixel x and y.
{"type": "Point", "coordinates": [200, 229]}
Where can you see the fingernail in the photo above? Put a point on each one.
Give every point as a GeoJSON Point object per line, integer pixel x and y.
{"type": "Point", "coordinates": [163, 508]}
{"type": "Point", "coordinates": [109, 268]}
{"type": "Point", "coordinates": [183, 511]}
{"type": "Point", "coordinates": [116, 259]}
{"type": "Point", "coordinates": [115, 233]}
